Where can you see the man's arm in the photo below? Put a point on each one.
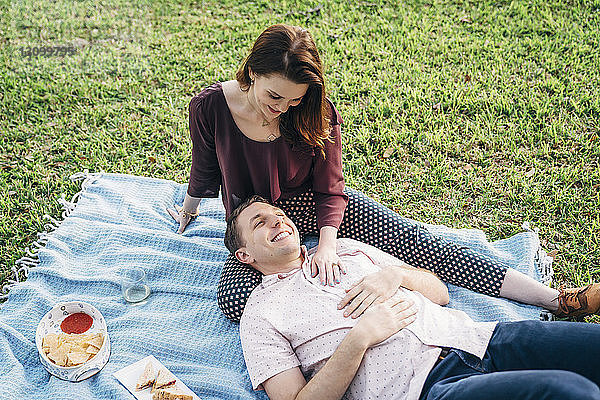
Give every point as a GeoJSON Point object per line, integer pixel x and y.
{"type": "Point", "coordinates": [381, 285]}
{"type": "Point", "coordinates": [418, 279]}
{"type": "Point", "coordinates": [332, 381]}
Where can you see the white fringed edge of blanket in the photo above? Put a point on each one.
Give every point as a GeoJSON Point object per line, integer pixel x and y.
{"type": "Point", "coordinates": [544, 264]}
{"type": "Point", "coordinates": [23, 264]}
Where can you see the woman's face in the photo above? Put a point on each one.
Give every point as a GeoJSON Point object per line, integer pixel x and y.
{"type": "Point", "coordinates": [274, 94]}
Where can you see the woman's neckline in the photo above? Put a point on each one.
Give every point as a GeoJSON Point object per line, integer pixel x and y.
{"type": "Point", "coordinates": [220, 86]}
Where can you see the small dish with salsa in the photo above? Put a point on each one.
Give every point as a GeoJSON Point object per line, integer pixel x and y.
{"type": "Point", "coordinates": [83, 328]}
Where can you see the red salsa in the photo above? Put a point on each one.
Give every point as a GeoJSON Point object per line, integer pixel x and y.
{"type": "Point", "coordinates": [76, 323]}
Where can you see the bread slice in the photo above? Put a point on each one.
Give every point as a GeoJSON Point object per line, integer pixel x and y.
{"type": "Point", "coordinates": [171, 393]}
{"type": "Point", "coordinates": [160, 394]}
{"type": "Point", "coordinates": [147, 377]}
{"type": "Point", "coordinates": [178, 394]}
{"type": "Point", "coordinates": [164, 379]}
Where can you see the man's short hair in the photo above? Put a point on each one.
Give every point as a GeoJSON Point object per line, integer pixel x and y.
{"type": "Point", "coordinates": [233, 241]}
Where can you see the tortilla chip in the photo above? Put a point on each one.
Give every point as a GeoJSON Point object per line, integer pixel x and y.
{"type": "Point", "coordinates": [79, 340]}
{"type": "Point", "coordinates": [77, 357]}
{"type": "Point", "coordinates": [68, 350]}
{"type": "Point", "coordinates": [58, 356]}
{"type": "Point", "coordinates": [96, 341]}
{"type": "Point", "coordinates": [50, 341]}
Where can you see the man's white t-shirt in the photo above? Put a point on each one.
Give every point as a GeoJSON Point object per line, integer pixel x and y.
{"type": "Point", "coordinates": [291, 320]}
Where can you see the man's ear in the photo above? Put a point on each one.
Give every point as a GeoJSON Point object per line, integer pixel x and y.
{"type": "Point", "coordinates": [243, 256]}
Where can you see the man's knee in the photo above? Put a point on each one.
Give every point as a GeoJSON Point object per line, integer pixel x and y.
{"type": "Point", "coordinates": [523, 385]}
{"type": "Point", "coordinates": [566, 385]}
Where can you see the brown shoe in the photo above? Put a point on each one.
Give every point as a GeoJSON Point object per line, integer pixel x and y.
{"type": "Point", "coordinates": [579, 302]}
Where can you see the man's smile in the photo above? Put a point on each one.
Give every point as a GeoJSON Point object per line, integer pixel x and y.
{"type": "Point", "coordinates": [280, 236]}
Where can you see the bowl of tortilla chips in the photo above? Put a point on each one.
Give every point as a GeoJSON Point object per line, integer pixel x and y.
{"type": "Point", "coordinates": [81, 351]}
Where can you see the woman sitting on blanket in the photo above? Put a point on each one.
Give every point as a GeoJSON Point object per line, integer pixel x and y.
{"type": "Point", "coordinates": [273, 132]}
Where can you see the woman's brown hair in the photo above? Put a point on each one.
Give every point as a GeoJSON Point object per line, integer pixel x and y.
{"type": "Point", "coordinates": [291, 51]}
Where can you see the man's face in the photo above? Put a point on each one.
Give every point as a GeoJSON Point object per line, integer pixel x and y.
{"type": "Point", "coordinates": [269, 236]}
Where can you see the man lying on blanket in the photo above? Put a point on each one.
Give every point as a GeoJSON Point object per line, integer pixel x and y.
{"type": "Point", "coordinates": [406, 347]}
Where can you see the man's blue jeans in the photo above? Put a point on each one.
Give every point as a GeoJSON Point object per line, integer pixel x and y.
{"type": "Point", "coordinates": [525, 360]}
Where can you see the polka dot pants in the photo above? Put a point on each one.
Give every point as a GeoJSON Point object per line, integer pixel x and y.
{"type": "Point", "coordinates": [370, 222]}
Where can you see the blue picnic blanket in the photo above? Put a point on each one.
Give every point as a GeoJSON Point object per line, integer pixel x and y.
{"type": "Point", "coordinates": [121, 220]}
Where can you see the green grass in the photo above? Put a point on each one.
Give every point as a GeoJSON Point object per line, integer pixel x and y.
{"type": "Point", "coordinates": [480, 114]}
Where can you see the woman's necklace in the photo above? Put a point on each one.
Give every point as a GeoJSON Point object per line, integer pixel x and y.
{"type": "Point", "coordinates": [271, 136]}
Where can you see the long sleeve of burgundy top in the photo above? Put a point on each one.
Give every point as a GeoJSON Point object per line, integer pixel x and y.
{"type": "Point", "coordinates": [223, 157]}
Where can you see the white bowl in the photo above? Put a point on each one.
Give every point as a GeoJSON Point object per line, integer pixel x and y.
{"type": "Point", "coordinates": [51, 324]}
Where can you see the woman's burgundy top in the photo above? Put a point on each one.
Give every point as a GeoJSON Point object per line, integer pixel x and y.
{"type": "Point", "coordinates": [222, 156]}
